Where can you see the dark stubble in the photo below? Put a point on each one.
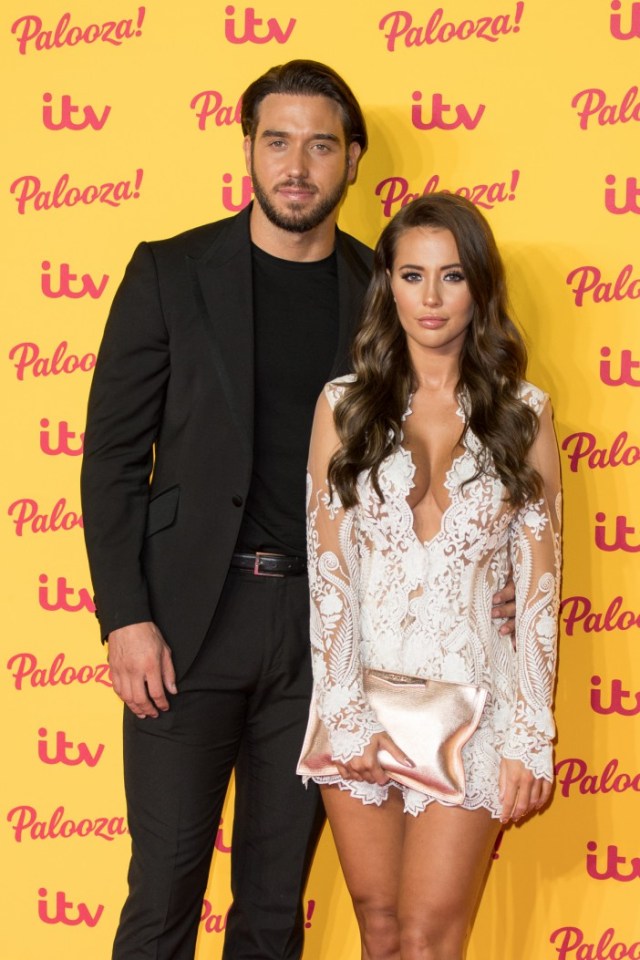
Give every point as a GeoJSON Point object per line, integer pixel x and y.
{"type": "Point", "coordinates": [296, 219]}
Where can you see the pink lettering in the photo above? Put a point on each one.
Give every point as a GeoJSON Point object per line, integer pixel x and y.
{"type": "Point", "coordinates": [588, 280]}
{"type": "Point", "coordinates": [572, 937]}
{"type": "Point", "coordinates": [495, 854]}
{"type": "Point", "coordinates": [213, 922]}
{"type": "Point", "coordinates": [437, 120]}
{"type": "Point", "coordinates": [220, 844]}
{"type": "Point", "coordinates": [63, 911]}
{"type": "Point", "coordinates": [620, 539]}
{"type": "Point", "coordinates": [28, 191]}
{"type": "Point", "coordinates": [577, 611]}
{"type": "Point", "coordinates": [30, 35]}
{"type": "Point", "coordinates": [65, 751]}
{"type": "Point", "coordinates": [209, 105]}
{"type": "Point", "coordinates": [399, 26]}
{"type": "Point", "coordinates": [615, 868]}
{"type": "Point", "coordinates": [67, 119]}
{"type": "Point", "coordinates": [627, 366]}
{"type": "Point", "coordinates": [574, 772]}
{"type": "Point", "coordinates": [27, 671]}
{"type": "Point", "coordinates": [227, 195]}
{"type": "Point", "coordinates": [66, 283]}
{"type": "Point", "coordinates": [26, 825]}
{"type": "Point", "coordinates": [249, 31]}
{"type": "Point", "coordinates": [28, 360]}
{"type": "Point", "coordinates": [592, 102]}
{"type": "Point", "coordinates": [63, 444]}
{"type": "Point", "coordinates": [64, 595]}
{"type": "Point", "coordinates": [615, 24]}
{"type": "Point", "coordinates": [311, 906]}
{"type": "Point", "coordinates": [618, 699]}
{"type": "Point", "coordinates": [25, 515]}
{"type": "Point", "coordinates": [613, 200]}
{"type": "Point", "coordinates": [570, 941]}
{"type": "Point", "coordinates": [582, 446]}
{"type": "Point", "coordinates": [395, 190]}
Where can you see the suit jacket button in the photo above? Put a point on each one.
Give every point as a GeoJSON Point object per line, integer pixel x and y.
{"type": "Point", "coordinates": [236, 500]}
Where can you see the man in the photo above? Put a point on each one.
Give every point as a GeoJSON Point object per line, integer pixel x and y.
{"type": "Point", "coordinates": [217, 345]}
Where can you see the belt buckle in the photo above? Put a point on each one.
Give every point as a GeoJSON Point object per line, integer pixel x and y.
{"type": "Point", "coordinates": [263, 573]}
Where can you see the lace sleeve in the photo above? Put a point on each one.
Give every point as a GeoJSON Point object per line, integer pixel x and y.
{"type": "Point", "coordinates": [535, 557]}
{"type": "Point", "coordinates": [333, 582]}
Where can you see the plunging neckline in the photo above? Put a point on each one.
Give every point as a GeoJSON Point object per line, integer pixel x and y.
{"type": "Point", "coordinates": [447, 483]}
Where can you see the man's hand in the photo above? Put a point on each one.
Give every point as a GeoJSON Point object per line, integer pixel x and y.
{"type": "Point", "coordinates": [504, 605]}
{"type": "Point", "coordinates": [141, 668]}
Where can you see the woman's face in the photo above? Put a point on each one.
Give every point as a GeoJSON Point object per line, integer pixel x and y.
{"type": "Point", "coordinates": [432, 297]}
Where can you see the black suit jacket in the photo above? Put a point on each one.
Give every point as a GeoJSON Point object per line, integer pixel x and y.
{"type": "Point", "coordinates": [169, 438]}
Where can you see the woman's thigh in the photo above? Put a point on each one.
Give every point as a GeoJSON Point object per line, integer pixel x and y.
{"type": "Point", "coordinates": [369, 841]}
{"type": "Point", "coordinates": [445, 858]}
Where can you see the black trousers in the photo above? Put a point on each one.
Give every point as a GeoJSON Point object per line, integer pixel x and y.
{"type": "Point", "coordinates": [243, 704]}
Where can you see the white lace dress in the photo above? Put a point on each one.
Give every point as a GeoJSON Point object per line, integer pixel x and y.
{"type": "Point", "coordinates": [381, 598]}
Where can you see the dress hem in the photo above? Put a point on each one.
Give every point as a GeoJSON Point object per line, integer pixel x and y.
{"type": "Point", "coordinates": [414, 801]}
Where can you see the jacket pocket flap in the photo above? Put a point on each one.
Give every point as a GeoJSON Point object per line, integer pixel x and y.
{"type": "Point", "coordinates": [163, 510]}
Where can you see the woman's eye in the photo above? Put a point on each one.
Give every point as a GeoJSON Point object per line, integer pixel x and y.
{"type": "Point", "coordinates": [455, 275]}
{"type": "Point", "coordinates": [411, 277]}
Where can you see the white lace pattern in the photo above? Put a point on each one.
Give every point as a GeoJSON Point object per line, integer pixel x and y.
{"type": "Point", "coordinates": [381, 598]}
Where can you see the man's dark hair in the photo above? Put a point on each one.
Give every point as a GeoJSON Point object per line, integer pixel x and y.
{"type": "Point", "coordinates": [307, 78]}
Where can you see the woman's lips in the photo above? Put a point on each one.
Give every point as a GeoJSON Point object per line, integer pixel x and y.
{"type": "Point", "coordinates": [432, 323]}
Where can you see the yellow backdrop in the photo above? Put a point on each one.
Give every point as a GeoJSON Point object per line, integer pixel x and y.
{"type": "Point", "coordinates": [121, 125]}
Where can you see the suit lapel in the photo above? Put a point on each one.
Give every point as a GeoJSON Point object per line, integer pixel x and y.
{"type": "Point", "coordinates": [223, 287]}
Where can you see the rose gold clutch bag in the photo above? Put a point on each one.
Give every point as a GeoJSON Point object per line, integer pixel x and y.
{"type": "Point", "coordinates": [430, 720]}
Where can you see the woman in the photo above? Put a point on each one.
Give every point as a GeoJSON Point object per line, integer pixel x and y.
{"type": "Point", "coordinates": [433, 470]}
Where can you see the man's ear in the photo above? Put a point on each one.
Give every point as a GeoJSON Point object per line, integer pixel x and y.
{"type": "Point", "coordinates": [246, 146]}
{"type": "Point", "coordinates": [353, 156]}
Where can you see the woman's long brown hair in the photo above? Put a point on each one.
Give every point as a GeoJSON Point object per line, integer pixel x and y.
{"type": "Point", "coordinates": [493, 362]}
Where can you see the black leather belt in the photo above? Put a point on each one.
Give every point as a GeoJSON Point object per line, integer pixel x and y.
{"type": "Point", "coordinates": [270, 564]}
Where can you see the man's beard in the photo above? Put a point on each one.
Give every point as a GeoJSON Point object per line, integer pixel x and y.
{"type": "Point", "coordinates": [296, 220]}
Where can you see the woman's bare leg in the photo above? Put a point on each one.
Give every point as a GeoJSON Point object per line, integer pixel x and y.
{"type": "Point", "coordinates": [369, 840]}
{"type": "Point", "coordinates": [445, 858]}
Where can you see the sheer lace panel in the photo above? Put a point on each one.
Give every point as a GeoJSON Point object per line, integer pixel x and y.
{"type": "Point", "coordinates": [382, 598]}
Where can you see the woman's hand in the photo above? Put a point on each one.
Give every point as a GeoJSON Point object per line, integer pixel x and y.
{"type": "Point", "coordinates": [520, 792]}
{"type": "Point", "coordinates": [367, 767]}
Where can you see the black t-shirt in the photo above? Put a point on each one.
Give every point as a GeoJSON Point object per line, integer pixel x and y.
{"type": "Point", "coordinates": [296, 337]}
